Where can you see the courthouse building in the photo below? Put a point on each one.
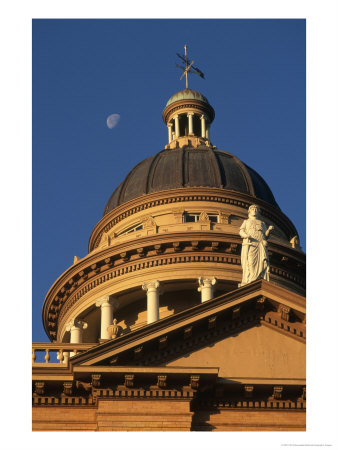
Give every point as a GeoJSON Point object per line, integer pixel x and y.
{"type": "Point", "coordinates": [150, 330]}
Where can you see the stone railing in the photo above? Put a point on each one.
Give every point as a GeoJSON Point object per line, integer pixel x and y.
{"type": "Point", "coordinates": [54, 354]}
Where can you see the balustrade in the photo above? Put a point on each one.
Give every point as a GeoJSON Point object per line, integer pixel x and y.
{"type": "Point", "coordinates": [56, 353]}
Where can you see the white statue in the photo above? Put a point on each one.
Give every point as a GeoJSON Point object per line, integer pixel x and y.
{"type": "Point", "coordinates": [254, 256]}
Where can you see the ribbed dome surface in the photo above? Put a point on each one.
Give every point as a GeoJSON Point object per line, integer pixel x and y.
{"type": "Point", "coordinates": [190, 167]}
{"type": "Point", "coordinates": [187, 94]}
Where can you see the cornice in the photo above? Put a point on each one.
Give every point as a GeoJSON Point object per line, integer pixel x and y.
{"type": "Point", "coordinates": [154, 251]}
{"type": "Point", "coordinates": [188, 104]}
{"type": "Point", "coordinates": [187, 194]}
{"type": "Point", "coordinates": [201, 387]}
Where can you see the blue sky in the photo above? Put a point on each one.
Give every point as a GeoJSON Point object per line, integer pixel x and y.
{"type": "Point", "coordinates": [85, 70]}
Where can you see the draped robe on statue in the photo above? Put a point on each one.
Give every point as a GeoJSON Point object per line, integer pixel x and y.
{"type": "Point", "coordinates": [254, 256]}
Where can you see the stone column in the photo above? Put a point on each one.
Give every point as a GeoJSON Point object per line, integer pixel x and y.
{"type": "Point", "coordinates": [152, 288]}
{"type": "Point", "coordinates": [108, 305]}
{"type": "Point", "coordinates": [76, 327]}
{"type": "Point", "coordinates": [206, 288]}
{"type": "Point", "coordinates": [203, 125]}
{"type": "Point", "coordinates": [190, 123]}
{"type": "Point", "coordinates": [177, 126]}
{"type": "Point", "coordinates": [170, 132]}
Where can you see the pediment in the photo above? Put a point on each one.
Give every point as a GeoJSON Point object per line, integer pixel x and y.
{"type": "Point", "coordinates": [258, 352]}
{"type": "Point", "coordinates": [253, 317]}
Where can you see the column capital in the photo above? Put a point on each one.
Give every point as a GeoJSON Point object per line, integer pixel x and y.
{"type": "Point", "coordinates": [151, 285]}
{"type": "Point", "coordinates": [190, 113]}
{"type": "Point", "coordinates": [206, 282]}
{"type": "Point", "coordinates": [107, 300]}
{"type": "Point", "coordinates": [76, 323]}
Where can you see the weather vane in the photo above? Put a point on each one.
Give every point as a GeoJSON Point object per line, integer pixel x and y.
{"type": "Point", "coordinates": [188, 67]}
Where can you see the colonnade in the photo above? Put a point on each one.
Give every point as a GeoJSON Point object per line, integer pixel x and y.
{"type": "Point", "coordinates": [108, 305]}
{"type": "Point", "coordinates": [206, 288]}
{"type": "Point", "coordinates": [205, 126]}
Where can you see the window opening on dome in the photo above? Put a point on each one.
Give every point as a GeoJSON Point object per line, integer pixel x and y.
{"type": "Point", "coordinates": [194, 217]}
{"type": "Point", "coordinates": [213, 218]}
{"type": "Point", "coordinates": [184, 130]}
{"type": "Point", "coordinates": [131, 230]}
{"type": "Point", "coordinates": [196, 120]}
{"type": "Point", "coordinates": [191, 217]}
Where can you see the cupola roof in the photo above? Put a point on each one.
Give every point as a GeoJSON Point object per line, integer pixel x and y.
{"type": "Point", "coordinates": [187, 94]}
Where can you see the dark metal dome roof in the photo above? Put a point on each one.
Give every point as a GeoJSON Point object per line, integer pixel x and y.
{"type": "Point", "coordinates": [190, 167]}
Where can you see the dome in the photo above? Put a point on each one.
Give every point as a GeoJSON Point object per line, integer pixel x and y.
{"type": "Point", "coordinates": [190, 167]}
{"type": "Point", "coordinates": [187, 94]}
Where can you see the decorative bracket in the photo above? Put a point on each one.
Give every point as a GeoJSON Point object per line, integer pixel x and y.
{"type": "Point", "coordinates": [236, 313]}
{"type": "Point", "coordinates": [277, 392]}
{"type": "Point", "coordinates": [40, 387]}
{"type": "Point", "coordinates": [284, 312]}
{"type": "Point", "coordinates": [187, 332]}
{"type": "Point", "coordinates": [194, 245]}
{"type": "Point", "coordinates": [95, 268]}
{"type": "Point", "coordinates": [214, 246]}
{"type": "Point", "coordinates": [194, 381]}
{"type": "Point", "coordinates": [158, 249]}
{"type": "Point", "coordinates": [129, 380]}
{"type": "Point", "coordinates": [260, 303]}
{"type": "Point", "coordinates": [114, 360]}
{"type": "Point", "coordinates": [140, 252]}
{"type": "Point", "coordinates": [177, 246]}
{"type": "Point", "coordinates": [162, 342]}
{"type": "Point", "coordinates": [248, 391]}
{"type": "Point", "coordinates": [162, 381]}
{"type": "Point", "coordinates": [68, 388]}
{"type": "Point", "coordinates": [96, 380]}
{"type": "Point", "coordinates": [212, 322]}
{"type": "Point", "coordinates": [124, 256]}
{"type": "Point", "coordinates": [138, 352]}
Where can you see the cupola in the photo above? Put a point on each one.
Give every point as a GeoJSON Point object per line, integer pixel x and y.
{"type": "Point", "coordinates": [188, 116]}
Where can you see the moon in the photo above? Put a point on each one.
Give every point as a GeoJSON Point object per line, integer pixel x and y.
{"type": "Point", "coordinates": [113, 120]}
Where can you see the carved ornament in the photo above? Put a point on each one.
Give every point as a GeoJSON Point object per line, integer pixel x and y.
{"type": "Point", "coordinates": [114, 330]}
{"type": "Point", "coordinates": [148, 222]}
{"type": "Point", "coordinates": [224, 217]}
{"type": "Point", "coordinates": [203, 217]}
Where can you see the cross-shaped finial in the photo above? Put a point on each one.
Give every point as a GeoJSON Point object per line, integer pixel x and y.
{"type": "Point", "coordinates": [188, 67]}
